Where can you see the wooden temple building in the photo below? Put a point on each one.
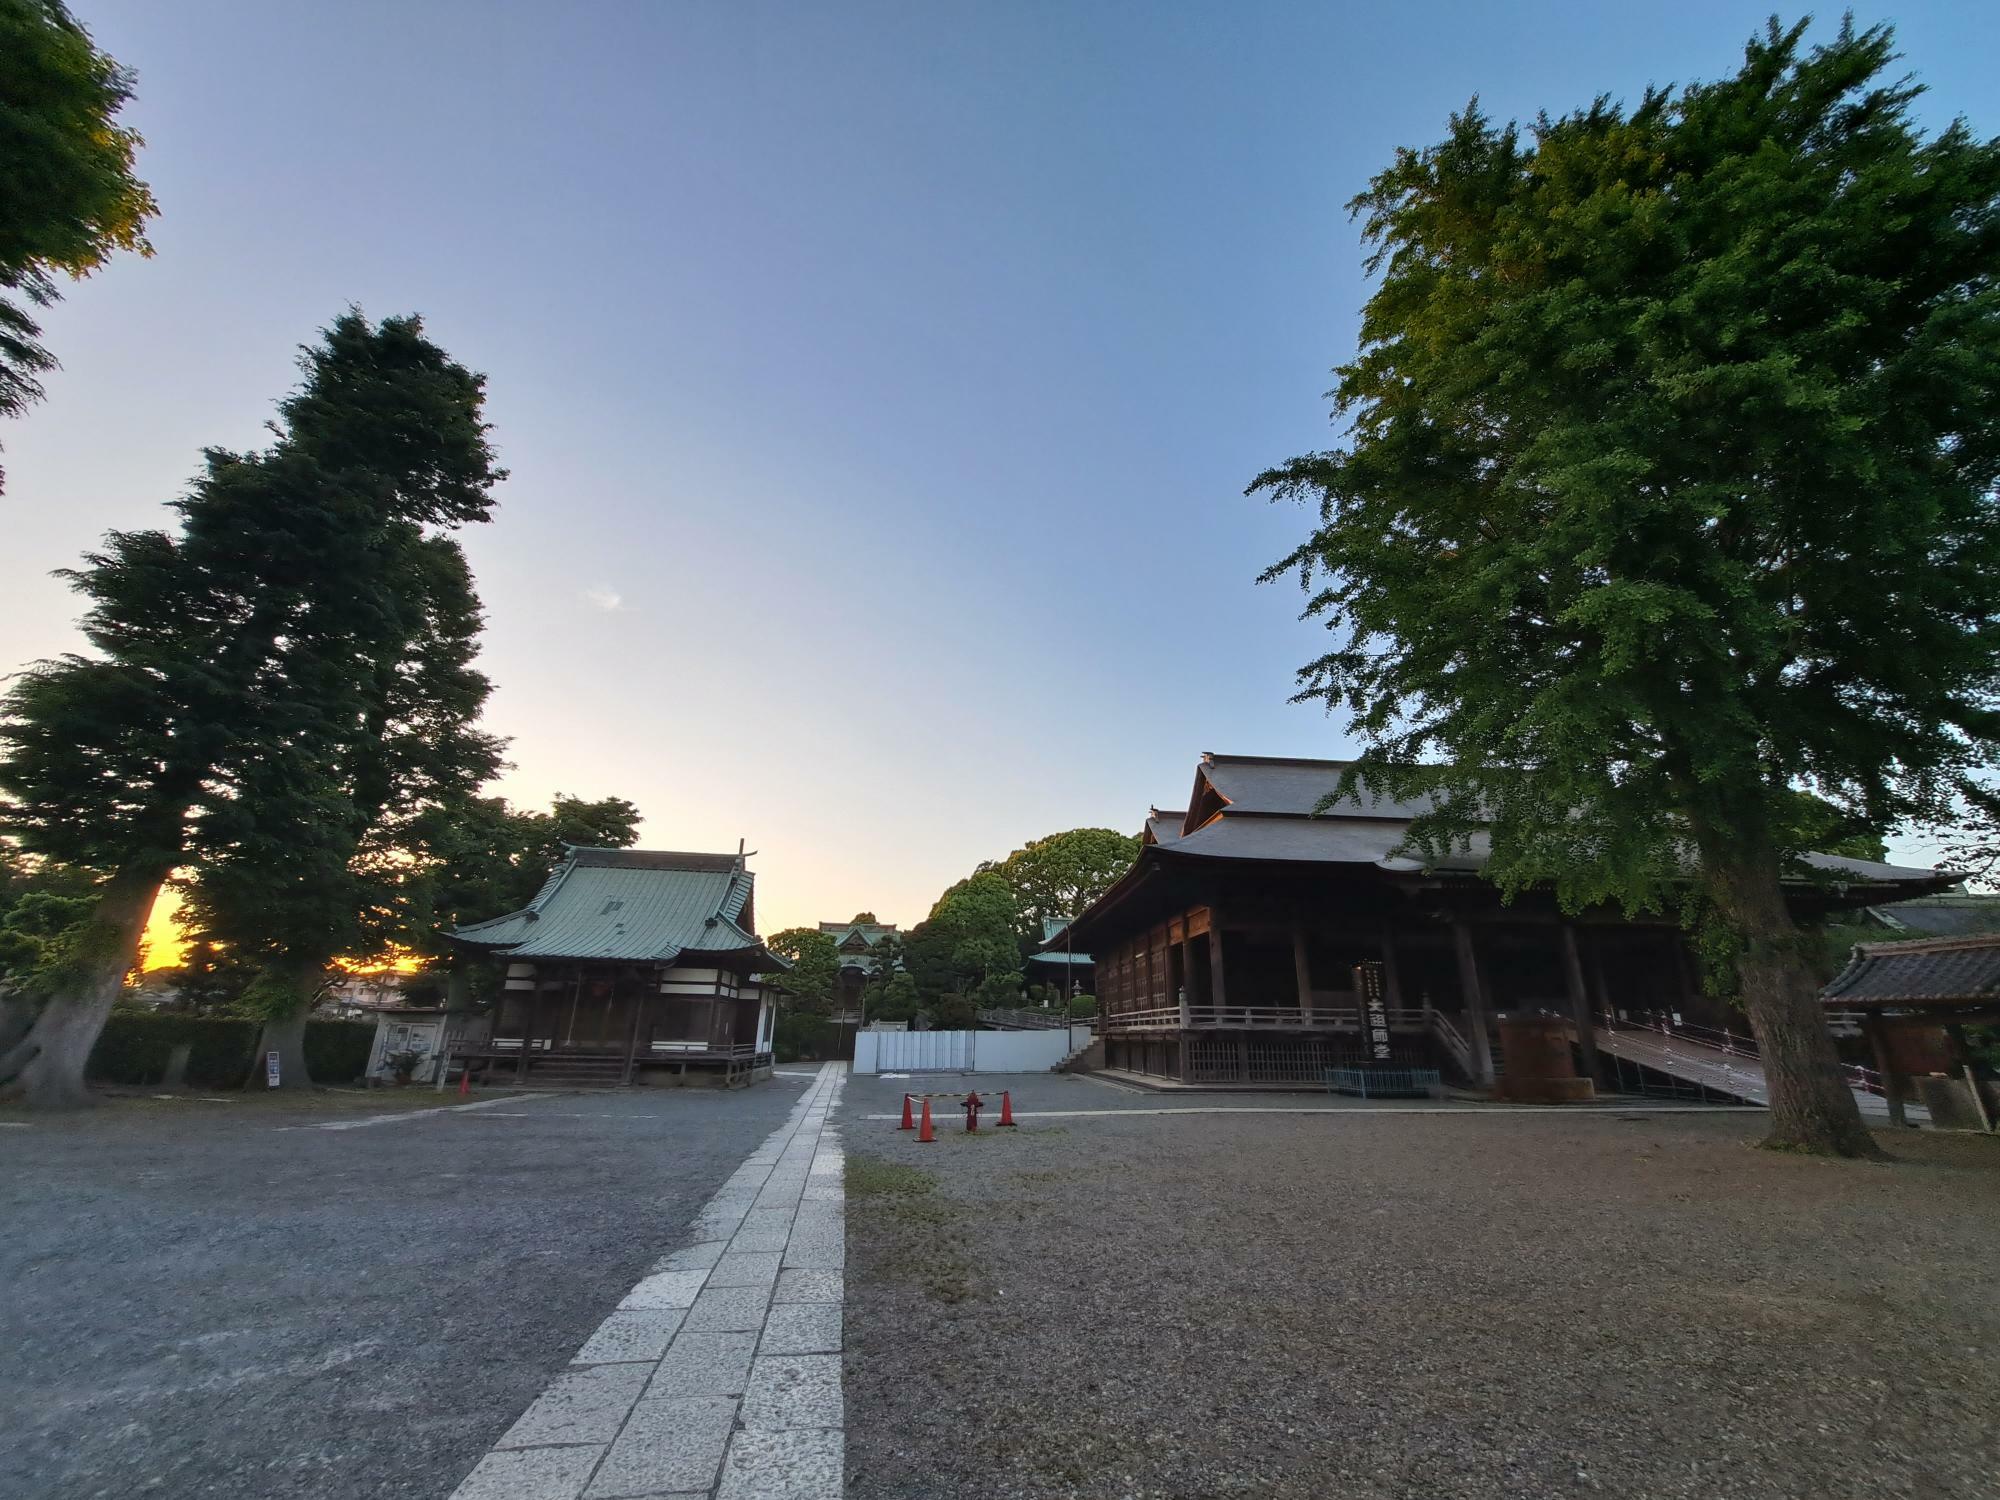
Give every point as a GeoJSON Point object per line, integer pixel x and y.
{"type": "Point", "coordinates": [1913, 1000]}
{"type": "Point", "coordinates": [1256, 943]}
{"type": "Point", "coordinates": [631, 966]}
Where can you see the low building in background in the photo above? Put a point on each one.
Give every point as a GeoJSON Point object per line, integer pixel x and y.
{"type": "Point", "coordinates": [860, 945]}
{"type": "Point", "coordinates": [1060, 963]}
{"type": "Point", "coordinates": [631, 966]}
{"type": "Point", "coordinates": [1913, 1001]}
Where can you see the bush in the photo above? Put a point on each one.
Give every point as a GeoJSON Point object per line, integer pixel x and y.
{"type": "Point", "coordinates": [1082, 1006]}
{"type": "Point", "coordinates": [337, 1051]}
{"type": "Point", "coordinates": [800, 1036]}
{"type": "Point", "coordinates": [136, 1044]}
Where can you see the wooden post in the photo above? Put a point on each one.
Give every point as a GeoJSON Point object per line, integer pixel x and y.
{"type": "Point", "coordinates": [1187, 997]}
{"type": "Point", "coordinates": [1471, 986]}
{"type": "Point", "coordinates": [632, 1042]}
{"type": "Point", "coordinates": [1218, 993]}
{"type": "Point", "coordinates": [1392, 974]}
{"type": "Point", "coordinates": [1892, 1089]}
{"type": "Point", "coordinates": [1598, 988]}
{"type": "Point", "coordinates": [1579, 1001]}
{"type": "Point", "coordinates": [528, 1026]}
{"type": "Point", "coordinates": [1302, 967]}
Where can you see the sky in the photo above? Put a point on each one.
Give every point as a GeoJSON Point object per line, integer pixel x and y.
{"type": "Point", "coordinates": [879, 382]}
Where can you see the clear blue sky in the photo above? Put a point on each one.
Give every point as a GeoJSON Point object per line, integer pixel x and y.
{"type": "Point", "coordinates": [879, 382]}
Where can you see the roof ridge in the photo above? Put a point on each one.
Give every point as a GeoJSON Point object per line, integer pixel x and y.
{"type": "Point", "coordinates": [1212, 756]}
{"type": "Point", "coordinates": [1931, 944]}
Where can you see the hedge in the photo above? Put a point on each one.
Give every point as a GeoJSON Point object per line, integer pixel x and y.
{"type": "Point", "coordinates": [799, 1036]}
{"type": "Point", "coordinates": [337, 1051]}
{"type": "Point", "coordinates": [136, 1044]}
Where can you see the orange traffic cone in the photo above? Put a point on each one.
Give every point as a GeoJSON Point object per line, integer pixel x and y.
{"type": "Point", "coordinates": [1006, 1108]}
{"type": "Point", "coordinates": [465, 1080]}
{"type": "Point", "coordinates": [926, 1134]}
{"type": "Point", "coordinates": [908, 1123]}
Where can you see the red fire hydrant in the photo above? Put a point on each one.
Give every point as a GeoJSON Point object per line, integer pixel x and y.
{"type": "Point", "coordinates": [972, 1114]}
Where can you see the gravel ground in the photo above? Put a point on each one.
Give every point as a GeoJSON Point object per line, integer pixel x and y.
{"type": "Point", "coordinates": [1371, 1304]}
{"type": "Point", "coordinates": [216, 1300]}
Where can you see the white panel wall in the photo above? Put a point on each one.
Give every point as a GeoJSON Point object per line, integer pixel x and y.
{"type": "Point", "coordinates": [959, 1051]}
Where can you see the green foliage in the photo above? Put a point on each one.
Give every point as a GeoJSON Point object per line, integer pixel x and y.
{"type": "Point", "coordinates": [970, 939]}
{"type": "Point", "coordinates": [953, 1013]}
{"type": "Point", "coordinates": [68, 196]}
{"type": "Point", "coordinates": [896, 998]}
{"type": "Point", "coordinates": [374, 732]}
{"type": "Point", "coordinates": [1668, 486]}
{"type": "Point", "coordinates": [223, 652]}
{"type": "Point", "coordinates": [801, 1036]}
{"type": "Point", "coordinates": [862, 919]}
{"type": "Point", "coordinates": [815, 972]}
{"type": "Point", "coordinates": [42, 909]}
{"type": "Point", "coordinates": [1056, 877]}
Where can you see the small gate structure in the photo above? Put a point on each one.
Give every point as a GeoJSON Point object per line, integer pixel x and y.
{"type": "Point", "coordinates": [923, 1051]}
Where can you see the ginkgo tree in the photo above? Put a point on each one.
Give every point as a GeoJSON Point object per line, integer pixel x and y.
{"type": "Point", "coordinates": [1667, 494]}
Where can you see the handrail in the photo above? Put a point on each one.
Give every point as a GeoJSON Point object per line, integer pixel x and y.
{"type": "Point", "coordinates": [1174, 1017]}
{"type": "Point", "coordinates": [1731, 1042]}
{"type": "Point", "coordinates": [1857, 1076]}
{"type": "Point", "coordinates": [1453, 1041]}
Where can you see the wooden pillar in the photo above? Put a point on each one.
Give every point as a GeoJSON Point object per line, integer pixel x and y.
{"type": "Point", "coordinates": [528, 1025]}
{"type": "Point", "coordinates": [1302, 968]}
{"type": "Point", "coordinates": [1187, 997]}
{"type": "Point", "coordinates": [1218, 993]}
{"type": "Point", "coordinates": [1600, 992]}
{"type": "Point", "coordinates": [1892, 1088]}
{"type": "Point", "coordinates": [1474, 990]}
{"type": "Point", "coordinates": [1392, 974]}
{"type": "Point", "coordinates": [632, 1042]}
{"type": "Point", "coordinates": [1579, 1001]}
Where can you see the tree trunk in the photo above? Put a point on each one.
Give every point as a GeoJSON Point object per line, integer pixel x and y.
{"type": "Point", "coordinates": [1812, 1107]}
{"type": "Point", "coordinates": [47, 1064]}
{"type": "Point", "coordinates": [286, 1036]}
{"type": "Point", "coordinates": [286, 992]}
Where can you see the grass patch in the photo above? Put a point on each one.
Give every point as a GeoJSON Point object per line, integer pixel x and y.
{"type": "Point", "coordinates": [920, 1232]}
{"type": "Point", "coordinates": [868, 1177]}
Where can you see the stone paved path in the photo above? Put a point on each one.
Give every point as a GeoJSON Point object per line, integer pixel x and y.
{"type": "Point", "coordinates": [719, 1374]}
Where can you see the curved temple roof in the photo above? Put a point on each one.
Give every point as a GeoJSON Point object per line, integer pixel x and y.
{"type": "Point", "coordinates": [632, 906]}
{"type": "Point", "coordinates": [1253, 808]}
{"type": "Point", "coordinates": [1962, 971]}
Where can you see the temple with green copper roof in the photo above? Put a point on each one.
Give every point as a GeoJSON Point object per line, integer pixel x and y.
{"type": "Point", "coordinates": [631, 966]}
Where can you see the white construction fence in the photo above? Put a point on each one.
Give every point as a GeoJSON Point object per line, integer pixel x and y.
{"type": "Point", "coordinates": [965, 1051]}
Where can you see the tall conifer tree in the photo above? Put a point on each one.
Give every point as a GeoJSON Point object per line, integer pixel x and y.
{"type": "Point", "coordinates": [216, 646]}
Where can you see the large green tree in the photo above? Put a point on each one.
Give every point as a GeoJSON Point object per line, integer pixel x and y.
{"type": "Point", "coordinates": [68, 195]}
{"type": "Point", "coordinates": [815, 972]}
{"type": "Point", "coordinates": [1668, 490]}
{"type": "Point", "coordinates": [212, 644]}
{"type": "Point", "coordinates": [1056, 877]}
{"type": "Point", "coordinates": [969, 946]}
{"type": "Point", "coordinates": [311, 855]}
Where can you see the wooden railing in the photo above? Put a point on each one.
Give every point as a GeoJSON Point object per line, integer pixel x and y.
{"type": "Point", "coordinates": [1453, 1041]}
{"type": "Point", "coordinates": [1250, 1018]}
